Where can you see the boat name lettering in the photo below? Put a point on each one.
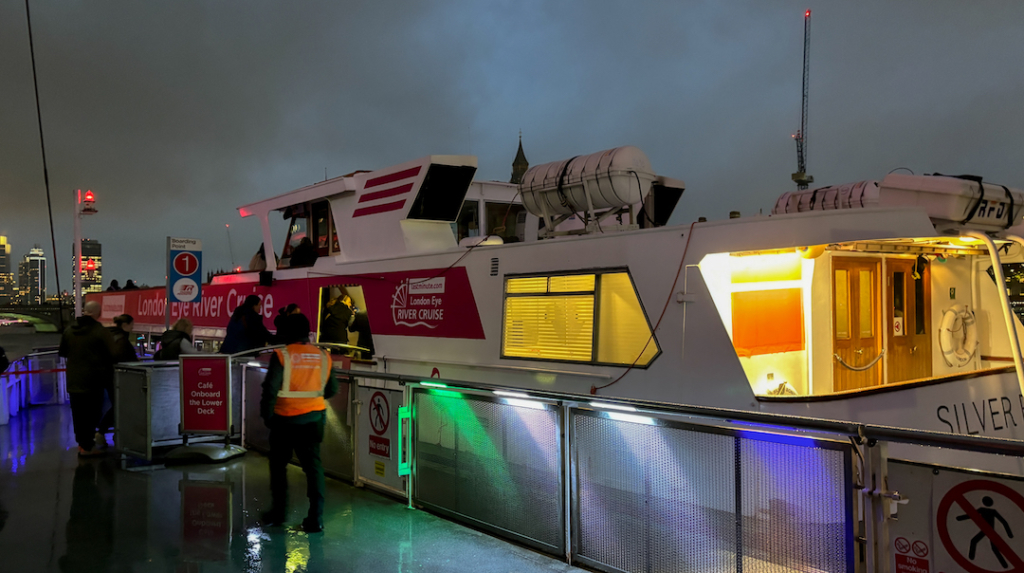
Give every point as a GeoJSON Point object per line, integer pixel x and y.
{"type": "Point", "coordinates": [983, 416]}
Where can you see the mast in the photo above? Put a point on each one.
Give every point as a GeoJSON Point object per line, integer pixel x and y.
{"type": "Point", "coordinates": [801, 177]}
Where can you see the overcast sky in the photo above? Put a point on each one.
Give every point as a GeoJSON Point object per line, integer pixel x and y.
{"type": "Point", "coordinates": [175, 113]}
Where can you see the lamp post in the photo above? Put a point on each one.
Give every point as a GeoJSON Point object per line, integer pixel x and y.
{"type": "Point", "coordinates": [83, 206]}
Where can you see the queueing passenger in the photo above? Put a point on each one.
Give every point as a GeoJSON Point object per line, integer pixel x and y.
{"type": "Point", "coordinates": [114, 286]}
{"type": "Point", "coordinates": [338, 315]}
{"type": "Point", "coordinates": [285, 311]}
{"type": "Point", "coordinates": [293, 406]}
{"type": "Point", "coordinates": [130, 285]}
{"type": "Point", "coordinates": [245, 329]}
{"type": "Point", "coordinates": [89, 352]}
{"type": "Point", "coordinates": [176, 341]}
{"type": "Point", "coordinates": [124, 351]}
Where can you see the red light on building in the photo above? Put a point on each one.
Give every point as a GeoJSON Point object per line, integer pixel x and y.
{"type": "Point", "coordinates": [90, 265]}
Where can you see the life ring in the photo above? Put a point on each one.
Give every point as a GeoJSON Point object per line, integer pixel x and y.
{"type": "Point", "coordinates": [958, 335]}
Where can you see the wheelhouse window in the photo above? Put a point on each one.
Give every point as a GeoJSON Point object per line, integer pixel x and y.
{"type": "Point", "coordinates": [315, 222]}
{"type": "Point", "coordinates": [592, 318]}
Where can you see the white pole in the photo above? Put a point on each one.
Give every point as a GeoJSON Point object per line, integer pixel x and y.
{"type": "Point", "coordinates": [1011, 324]}
{"type": "Point", "coordinates": [77, 196]}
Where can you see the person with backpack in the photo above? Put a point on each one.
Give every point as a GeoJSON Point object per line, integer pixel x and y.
{"type": "Point", "coordinates": [176, 341]}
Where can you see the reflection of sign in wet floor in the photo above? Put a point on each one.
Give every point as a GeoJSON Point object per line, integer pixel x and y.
{"type": "Point", "coordinates": [985, 517]}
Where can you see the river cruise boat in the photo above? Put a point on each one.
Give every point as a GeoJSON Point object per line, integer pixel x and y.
{"type": "Point", "coordinates": [879, 302]}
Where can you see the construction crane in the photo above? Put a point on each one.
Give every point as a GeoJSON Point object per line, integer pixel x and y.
{"type": "Point", "coordinates": [801, 177]}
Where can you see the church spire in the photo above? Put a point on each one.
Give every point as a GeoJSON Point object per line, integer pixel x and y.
{"type": "Point", "coordinates": [520, 164]}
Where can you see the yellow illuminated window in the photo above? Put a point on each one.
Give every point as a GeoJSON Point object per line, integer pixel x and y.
{"type": "Point", "coordinates": [867, 320]}
{"type": "Point", "coordinates": [527, 285]}
{"type": "Point", "coordinates": [842, 304]}
{"type": "Point", "coordinates": [550, 327]}
{"type": "Point", "coordinates": [623, 326]}
{"type": "Point", "coordinates": [544, 321]}
{"type": "Point", "coordinates": [572, 283]}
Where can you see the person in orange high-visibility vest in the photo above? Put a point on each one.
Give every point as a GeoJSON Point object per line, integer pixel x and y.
{"type": "Point", "coordinates": [294, 406]}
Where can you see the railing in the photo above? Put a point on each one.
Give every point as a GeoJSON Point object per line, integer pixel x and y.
{"type": "Point", "coordinates": [639, 486]}
{"type": "Point", "coordinates": [34, 379]}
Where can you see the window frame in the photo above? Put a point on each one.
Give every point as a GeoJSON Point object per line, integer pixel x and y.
{"type": "Point", "coordinates": [595, 334]}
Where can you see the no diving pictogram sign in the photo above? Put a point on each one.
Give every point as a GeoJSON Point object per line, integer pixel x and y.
{"type": "Point", "coordinates": [989, 518]}
{"type": "Point", "coordinates": [380, 413]}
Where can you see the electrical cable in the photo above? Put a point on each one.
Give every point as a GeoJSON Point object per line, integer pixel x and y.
{"type": "Point", "coordinates": [46, 173]}
{"type": "Point", "coordinates": [643, 204]}
{"type": "Point", "coordinates": [689, 239]}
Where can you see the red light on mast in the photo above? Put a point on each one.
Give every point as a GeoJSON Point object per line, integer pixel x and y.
{"type": "Point", "coordinates": [89, 196]}
{"type": "Point", "coordinates": [807, 14]}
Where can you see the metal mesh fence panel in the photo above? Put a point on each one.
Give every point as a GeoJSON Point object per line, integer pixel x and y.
{"type": "Point", "coordinates": [653, 498]}
{"type": "Point", "coordinates": [795, 507]}
{"type": "Point", "coordinates": [493, 463]}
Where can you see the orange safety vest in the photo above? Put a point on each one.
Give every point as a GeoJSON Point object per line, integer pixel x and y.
{"type": "Point", "coordinates": [306, 371]}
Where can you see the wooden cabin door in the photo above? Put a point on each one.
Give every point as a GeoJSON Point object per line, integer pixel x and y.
{"type": "Point", "coordinates": [908, 318]}
{"type": "Point", "coordinates": [856, 339]}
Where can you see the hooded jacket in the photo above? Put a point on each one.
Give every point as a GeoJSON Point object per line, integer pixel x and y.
{"type": "Point", "coordinates": [170, 345]}
{"type": "Point", "coordinates": [123, 349]}
{"type": "Point", "coordinates": [89, 350]}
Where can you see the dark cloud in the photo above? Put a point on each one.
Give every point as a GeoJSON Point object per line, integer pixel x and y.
{"type": "Point", "coordinates": [177, 112]}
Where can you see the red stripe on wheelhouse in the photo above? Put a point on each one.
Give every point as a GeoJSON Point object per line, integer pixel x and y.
{"type": "Point", "coordinates": [391, 178]}
{"type": "Point", "coordinates": [386, 193]}
{"type": "Point", "coordinates": [382, 208]}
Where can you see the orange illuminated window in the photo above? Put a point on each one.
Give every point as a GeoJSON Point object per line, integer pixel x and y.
{"type": "Point", "coordinates": [767, 321]}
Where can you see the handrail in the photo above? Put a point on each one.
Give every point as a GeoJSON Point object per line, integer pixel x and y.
{"type": "Point", "coordinates": [866, 367]}
{"type": "Point", "coordinates": [1011, 327]}
{"type": "Point", "coordinates": [855, 430]}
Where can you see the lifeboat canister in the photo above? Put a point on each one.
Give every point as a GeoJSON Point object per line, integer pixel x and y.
{"type": "Point", "coordinates": [614, 178]}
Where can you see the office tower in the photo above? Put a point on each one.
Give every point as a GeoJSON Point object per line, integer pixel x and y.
{"type": "Point", "coordinates": [7, 290]}
{"type": "Point", "coordinates": [32, 277]}
{"type": "Point", "coordinates": [92, 266]}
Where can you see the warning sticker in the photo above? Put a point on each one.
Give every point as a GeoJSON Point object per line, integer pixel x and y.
{"type": "Point", "coordinates": [908, 564]}
{"type": "Point", "coordinates": [979, 524]}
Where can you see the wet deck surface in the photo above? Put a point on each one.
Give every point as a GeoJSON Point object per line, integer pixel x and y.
{"type": "Point", "coordinates": [59, 513]}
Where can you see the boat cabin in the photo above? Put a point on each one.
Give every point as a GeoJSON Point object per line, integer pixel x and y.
{"type": "Point", "coordinates": [814, 320]}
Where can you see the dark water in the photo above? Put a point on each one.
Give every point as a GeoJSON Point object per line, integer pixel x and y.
{"type": "Point", "coordinates": [18, 341]}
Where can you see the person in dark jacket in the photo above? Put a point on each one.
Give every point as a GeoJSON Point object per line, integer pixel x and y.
{"type": "Point", "coordinates": [245, 329]}
{"type": "Point", "coordinates": [130, 285]}
{"type": "Point", "coordinates": [124, 351]}
{"type": "Point", "coordinates": [337, 317]}
{"type": "Point", "coordinates": [285, 311]}
{"type": "Point", "coordinates": [361, 325]}
{"type": "Point", "coordinates": [114, 286]}
{"type": "Point", "coordinates": [296, 414]}
{"type": "Point", "coordinates": [304, 254]}
{"type": "Point", "coordinates": [89, 352]}
{"type": "Point", "coordinates": [176, 341]}
{"type": "Point", "coordinates": [121, 332]}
